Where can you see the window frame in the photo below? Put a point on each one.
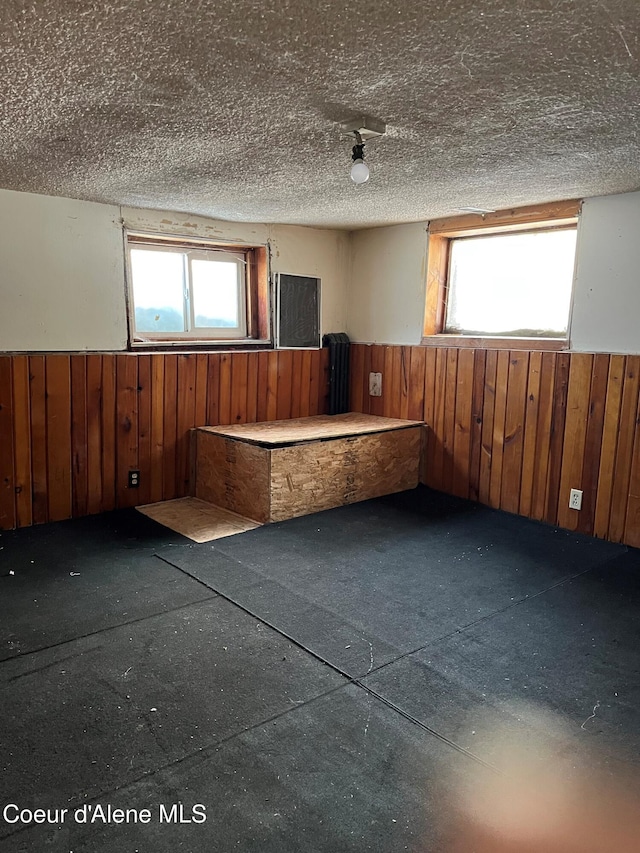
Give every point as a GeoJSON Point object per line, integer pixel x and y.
{"type": "Point", "coordinates": [441, 233]}
{"type": "Point", "coordinates": [253, 298]}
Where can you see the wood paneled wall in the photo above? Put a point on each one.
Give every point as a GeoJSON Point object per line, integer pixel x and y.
{"type": "Point", "coordinates": [518, 430]}
{"type": "Point", "coordinates": [73, 426]}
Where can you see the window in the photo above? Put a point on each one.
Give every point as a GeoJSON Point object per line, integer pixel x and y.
{"type": "Point", "coordinates": [185, 292]}
{"type": "Point", "coordinates": [504, 275]}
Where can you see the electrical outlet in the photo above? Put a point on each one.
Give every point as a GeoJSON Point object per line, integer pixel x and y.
{"type": "Point", "coordinates": [375, 385]}
{"type": "Point", "coordinates": [134, 479]}
{"type": "Point", "coordinates": [575, 499]}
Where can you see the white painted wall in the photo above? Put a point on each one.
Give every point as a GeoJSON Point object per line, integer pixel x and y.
{"type": "Point", "coordinates": [321, 253]}
{"type": "Point", "coordinates": [180, 224]}
{"type": "Point", "coordinates": [606, 299]}
{"type": "Point", "coordinates": [61, 274]}
{"type": "Point", "coordinates": [386, 294]}
{"type": "Point", "coordinates": [387, 284]}
{"type": "Point", "coordinates": [62, 285]}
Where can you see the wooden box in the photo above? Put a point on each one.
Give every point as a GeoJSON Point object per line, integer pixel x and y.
{"type": "Point", "coordinates": [282, 469]}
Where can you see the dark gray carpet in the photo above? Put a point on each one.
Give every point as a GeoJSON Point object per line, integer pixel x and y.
{"type": "Point", "coordinates": [363, 584]}
{"type": "Point", "coordinates": [66, 580]}
{"type": "Point", "coordinates": [573, 651]}
{"type": "Point", "coordinates": [323, 684]}
{"type": "Point", "coordinates": [343, 773]}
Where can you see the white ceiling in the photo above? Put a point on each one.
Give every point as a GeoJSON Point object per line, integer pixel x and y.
{"type": "Point", "coordinates": [229, 108]}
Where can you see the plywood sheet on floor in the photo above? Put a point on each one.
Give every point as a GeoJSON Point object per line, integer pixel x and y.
{"type": "Point", "coordinates": [198, 520]}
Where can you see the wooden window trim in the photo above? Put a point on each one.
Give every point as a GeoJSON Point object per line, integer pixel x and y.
{"type": "Point", "coordinates": [494, 342]}
{"type": "Point", "coordinates": [257, 294]}
{"type": "Point", "coordinates": [440, 234]}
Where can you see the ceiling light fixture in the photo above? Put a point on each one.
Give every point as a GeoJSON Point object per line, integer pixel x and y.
{"type": "Point", "coordinates": [361, 129]}
{"type": "Point", "coordinates": [359, 170]}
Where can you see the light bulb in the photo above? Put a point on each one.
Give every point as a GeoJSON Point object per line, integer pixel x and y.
{"type": "Point", "coordinates": [359, 172]}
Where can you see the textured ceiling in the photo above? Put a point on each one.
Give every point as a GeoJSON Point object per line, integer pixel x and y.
{"type": "Point", "coordinates": [228, 108]}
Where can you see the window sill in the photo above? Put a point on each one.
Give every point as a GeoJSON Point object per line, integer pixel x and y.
{"type": "Point", "coordinates": [549, 344]}
{"type": "Point", "coordinates": [189, 345]}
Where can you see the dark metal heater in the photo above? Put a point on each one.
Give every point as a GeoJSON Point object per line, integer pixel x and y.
{"type": "Point", "coordinates": [338, 343]}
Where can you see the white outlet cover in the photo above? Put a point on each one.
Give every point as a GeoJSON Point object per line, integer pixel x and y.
{"type": "Point", "coordinates": [575, 499]}
{"type": "Point", "coordinates": [375, 385]}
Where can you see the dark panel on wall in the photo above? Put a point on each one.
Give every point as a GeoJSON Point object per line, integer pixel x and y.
{"type": "Point", "coordinates": [298, 307]}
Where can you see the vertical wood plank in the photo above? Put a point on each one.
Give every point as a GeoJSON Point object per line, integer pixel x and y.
{"type": "Point", "coordinates": [127, 427]}
{"type": "Point", "coordinates": [296, 383]}
{"type": "Point", "coordinates": [462, 424]}
{"type": "Point", "coordinates": [252, 388]}
{"type": "Point", "coordinates": [575, 434]}
{"type": "Point", "coordinates": [477, 397]}
{"type": "Point", "coordinates": [415, 408]}
{"type": "Point", "coordinates": [530, 433]}
{"type": "Point", "coordinates": [514, 431]}
{"type": "Point", "coordinates": [543, 435]}
{"type": "Point", "coordinates": [239, 382]}
{"type": "Point", "coordinates": [7, 481]}
{"type": "Point", "coordinates": [391, 373]}
{"type": "Point", "coordinates": [224, 398]}
{"type": "Point", "coordinates": [144, 429]}
{"type": "Point", "coordinates": [624, 452]}
{"type": "Point", "coordinates": [285, 370]}
{"type": "Point", "coordinates": [435, 443]}
{"type": "Point", "coordinates": [272, 386]}
{"type": "Point", "coordinates": [213, 389]}
{"type": "Point", "coordinates": [170, 428]}
{"type": "Point", "coordinates": [157, 429]}
{"type": "Point", "coordinates": [430, 441]}
{"type": "Point", "coordinates": [356, 378]}
{"type": "Point", "coordinates": [185, 420]}
{"type": "Point", "coordinates": [94, 433]}
{"type": "Point", "coordinates": [202, 368]}
{"type": "Point", "coordinates": [405, 372]}
{"type": "Point", "coordinates": [449, 418]}
{"type": "Point", "coordinates": [391, 382]}
{"type": "Point", "coordinates": [499, 414]}
{"type": "Point", "coordinates": [58, 383]}
{"type": "Point", "coordinates": [38, 406]}
{"type": "Point", "coordinates": [22, 440]}
{"type": "Point", "coordinates": [488, 412]}
{"type": "Point", "coordinates": [263, 381]}
{"type": "Point", "coordinates": [79, 451]}
{"type": "Point", "coordinates": [609, 446]}
{"type": "Point", "coordinates": [305, 382]}
{"type": "Point", "coordinates": [366, 397]}
{"type": "Point", "coordinates": [556, 443]}
{"type": "Point", "coordinates": [109, 416]}
{"type": "Point", "coordinates": [430, 384]}
{"type": "Point", "coordinates": [593, 442]}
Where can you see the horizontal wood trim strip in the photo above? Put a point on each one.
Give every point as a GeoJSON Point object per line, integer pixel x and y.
{"type": "Point", "coordinates": [529, 344]}
{"type": "Point", "coordinates": [552, 213]}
